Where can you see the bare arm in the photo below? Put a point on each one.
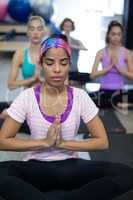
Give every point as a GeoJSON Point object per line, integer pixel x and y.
{"type": "Point", "coordinates": [17, 61]}
{"type": "Point", "coordinates": [8, 141]}
{"type": "Point", "coordinates": [79, 46]}
{"type": "Point", "coordinates": [128, 73]}
{"type": "Point", "coordinates": [95, 73]}
{"type": "Point", "coordinates": [76, 44]}
{"type": "Point", "coordinates": [98, 140]}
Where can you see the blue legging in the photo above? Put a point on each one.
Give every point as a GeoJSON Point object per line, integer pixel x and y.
{"type": "Point", "coordinates": [63, 180]}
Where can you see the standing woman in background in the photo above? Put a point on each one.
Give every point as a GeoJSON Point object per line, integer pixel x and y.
{"type": "Point", "coordinates": [67, 26]}
{"type": "Point", "coordinates": [116, 62]}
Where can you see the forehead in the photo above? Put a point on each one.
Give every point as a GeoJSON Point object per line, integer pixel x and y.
{"type": "Point", "coordinates": [68, 23]}
{"type": "Point", "coordinates": [116, 29]}
{"type": "Point", "coordinates": [56, 52]}
{"type": "Point", "coordinates": [35, 22]}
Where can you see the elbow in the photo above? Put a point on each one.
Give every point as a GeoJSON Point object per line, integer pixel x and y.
{"type": "Point", "coordinates": [104, 144]}
{"type": "Point", "coordinates": [2, 143]}
{"type": "Point", "coordinates": [11, 86]}
{"type": "Point", "coordinates": [131, 77]}
{"type": "Point", "coordinates": [92, 76]}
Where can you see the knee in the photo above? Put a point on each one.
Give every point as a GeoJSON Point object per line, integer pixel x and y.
{"type": "Point", "coordinates": [122, 169]}
{"type": "Point", "coordinates": [123, 176]}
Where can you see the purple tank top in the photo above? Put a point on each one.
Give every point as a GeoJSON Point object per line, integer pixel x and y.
{"type": "Point", "coordinates": [113, 80]}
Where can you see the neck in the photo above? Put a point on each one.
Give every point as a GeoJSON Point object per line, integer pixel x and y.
{"type": "Point", "coordinates": [34, 47]}
{"type": "Point", "coordinates": [54, 91]}
{"type": "Point", "coordinates": [67, 33]}
{"type": "Point", "coordinates": [114, 46]}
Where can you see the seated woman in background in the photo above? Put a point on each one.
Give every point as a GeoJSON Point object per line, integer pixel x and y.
{"type": "Point", "coordinates": [117, 63]}
{"type": "Point", "coordinates": [27, 59]}
{"type": "Point", "coordinates": [67, 26]}
{"type": "Point", "coordinates": [53, 111]}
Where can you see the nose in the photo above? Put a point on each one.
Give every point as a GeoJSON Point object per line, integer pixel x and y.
{"type": "Point", "coordinates": [35, 31]}
{"type": "Point", "coordinates": [57, 68]}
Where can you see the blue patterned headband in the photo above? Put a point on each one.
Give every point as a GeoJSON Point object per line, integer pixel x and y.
{"type": "Point", "coordinates": [55, 43]}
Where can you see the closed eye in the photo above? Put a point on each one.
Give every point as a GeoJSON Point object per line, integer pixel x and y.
{"type": "Point", "coordinates": [32, 28]}
{"type": "Point", "coordinates": [64, 61]}
{"type": "Point", "coordinates": [49, 61]}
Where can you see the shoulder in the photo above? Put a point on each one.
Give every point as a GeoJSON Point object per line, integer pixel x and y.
{"type": "Point", "coordinates": [88, 109]}
{"type": "Point", "coordinates": [76, 90]}
{"type": "Point", "coordinates": [20, 52]}
{"type": "Point", "coordinates": [25, 98]}
{"type": "Point", "coordinates": [128, 52]}
{"type": "Point", "coordinates": [19, 55]}
{"type": "Point", "coordinates": [27, 93]}
{"type": "Point", "coordinates": [99, 54]}
{"type": "Point", "coordinates": [81, 94]}
{"type": "Point", "coordinates": [21, 105]}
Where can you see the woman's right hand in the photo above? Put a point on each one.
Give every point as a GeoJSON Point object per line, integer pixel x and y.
{"type": "Point", "coordinates": [109, 68]}
{"type": "Point", "coordinates": [53, 133]}
{"type": "Point", "coordinates": [114, 60]}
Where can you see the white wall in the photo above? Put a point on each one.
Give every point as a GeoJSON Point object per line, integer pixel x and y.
{"type": "Point", "coordinates": [88, 16]}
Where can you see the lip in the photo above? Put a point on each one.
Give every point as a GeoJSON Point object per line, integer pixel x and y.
{"type": "Point", "coordinates": [57, 78]}
{"type": "Point", "coordinates": [35, 38]}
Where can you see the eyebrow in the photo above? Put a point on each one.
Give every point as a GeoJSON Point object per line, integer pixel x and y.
{"type": "Point", "coordinates": [46, 57]}
{"type": "Point", "coordinates": [35, 27]}
{"type": "Point", "coordinates": [52, 59]}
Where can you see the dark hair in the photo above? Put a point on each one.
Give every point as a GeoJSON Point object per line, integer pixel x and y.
{"type": "Point", "coordinates": [66, 20]}
{"type": "Point", "coordinates": [112, 24]}
{"type": "Point", "coordinates": [61, 36]}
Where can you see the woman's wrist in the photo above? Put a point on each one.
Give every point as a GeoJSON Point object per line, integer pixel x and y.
{"type": "Point", "coordinates": [62, 144]}
{"type": "Point", "coordinates": [47, 143]}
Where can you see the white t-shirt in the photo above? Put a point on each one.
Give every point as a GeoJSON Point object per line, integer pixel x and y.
{"type": "Point", "coordinates": [25, 106]}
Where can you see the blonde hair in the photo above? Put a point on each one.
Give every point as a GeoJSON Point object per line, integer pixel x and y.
{"type": "Point", "coordinates": [36, 17]}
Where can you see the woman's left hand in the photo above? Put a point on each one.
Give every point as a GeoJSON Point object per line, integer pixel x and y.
{"type": "Point", "coordinates": [120, 70]}
{"type": "Point", "coordinates": [60, 141]}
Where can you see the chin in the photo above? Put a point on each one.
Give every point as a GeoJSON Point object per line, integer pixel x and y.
{"type": "Point", "coordinates": [117, 43]}
{"type": "Point", "coordinates": [56, 85]}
